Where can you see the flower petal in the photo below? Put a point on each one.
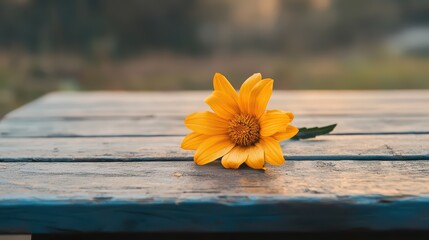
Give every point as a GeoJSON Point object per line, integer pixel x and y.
{"type": "Point", "coordinates": [273, 121]}
{"type": "Point", "coordinates": [206, 123]}
{"type": "Point", "coordinates": [222, 104]}
{"type": "Point", "coordinates": [220, 83]}
{"type": "Point", "coordinates": [193, 140]}
{"type": "Point", "coordinates": [260, 96]}
{"type": "Point", "coordinates": [213, 148]}
{"type": "Point", "coordinates": [291, 116]}
{"type": "Point", "coordinates": [255, 159]}
{"type": "Point", "coordinates": [236, 157]}
{"type": "Point", "coordinates": [289, 133]}
{"type": "Point", "coordinates": [273, 151]}
{"type": "Point", "coordinates": [246, 88]}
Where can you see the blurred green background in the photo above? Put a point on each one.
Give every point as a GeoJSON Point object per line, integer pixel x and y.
{"type": "Point", "coordinates": [179, 44]}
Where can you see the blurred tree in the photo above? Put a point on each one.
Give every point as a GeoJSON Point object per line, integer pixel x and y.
{"type": "Point", "coordinates": [127, 27]}
{"type": "Point", "coordinates": [124, 28]}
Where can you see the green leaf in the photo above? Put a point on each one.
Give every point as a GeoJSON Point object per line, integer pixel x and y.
{"type": "Point", "coordinates": [305, 133]}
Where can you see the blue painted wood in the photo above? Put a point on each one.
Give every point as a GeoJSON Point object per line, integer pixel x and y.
{"type": "Point", "coordinates": [222, 214]}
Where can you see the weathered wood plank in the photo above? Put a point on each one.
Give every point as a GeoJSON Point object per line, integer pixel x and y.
{"type": "Point", "coordinates": [382, 147]}
{"type": "Point", "coordinates": [164, 191]}
{"type": "Point", "coordinates": [313, 103]}
{"type": "Point", "coordinates": [176, 180]}
{"type": "Point", "coordinates": [175, 196]}
{"type": "Point", "coordinates": [164, 125]}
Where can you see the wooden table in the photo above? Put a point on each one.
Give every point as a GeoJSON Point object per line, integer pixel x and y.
{"type": "Point", "coordinates": [110, 162]}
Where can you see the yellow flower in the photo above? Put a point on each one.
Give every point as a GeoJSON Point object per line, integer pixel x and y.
{"type": "Point", "coordinates": [240, 130]}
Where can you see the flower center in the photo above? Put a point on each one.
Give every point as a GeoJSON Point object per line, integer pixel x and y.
{"type": "Point", "coordinates": [243, 130]}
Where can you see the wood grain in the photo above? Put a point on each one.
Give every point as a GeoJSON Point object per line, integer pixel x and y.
{"type": "Point", "coordinates": [313, 103]}
{"type": "Point", "coordinates": [110, 162]}
{"type": "Point", "coordinates": [381, 147]}
{"type": "Point", "coordinates": [170, 125]}
{"type": "Point", "coordinates": [176, 180]}
{"type": "Point", "coordinates": [224, 214]}
{"type": "Point", "coordinates": [180, 196]}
